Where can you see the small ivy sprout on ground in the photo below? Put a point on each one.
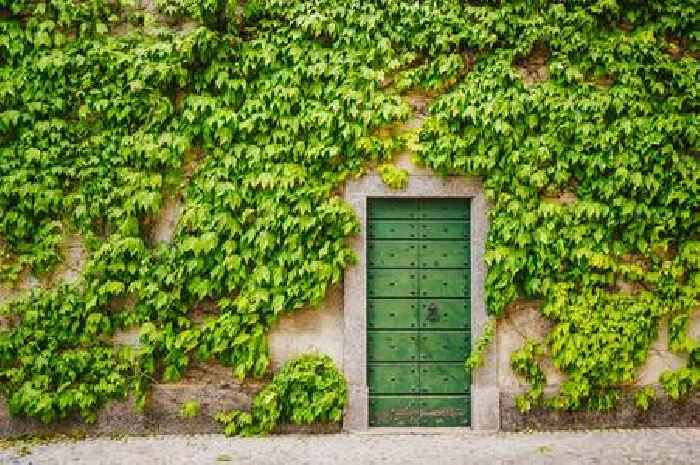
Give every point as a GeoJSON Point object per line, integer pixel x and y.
{"type": "Point", "coordinates": [190, 409]}
{"type": "Point", "coordinates": [644, 397]}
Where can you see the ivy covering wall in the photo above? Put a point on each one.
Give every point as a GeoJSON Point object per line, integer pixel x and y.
{"type": "Point", "coordinates": [255, 113]}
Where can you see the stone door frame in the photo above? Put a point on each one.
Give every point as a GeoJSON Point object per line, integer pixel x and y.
{"type": "Point", "coordinates": [484, 389]}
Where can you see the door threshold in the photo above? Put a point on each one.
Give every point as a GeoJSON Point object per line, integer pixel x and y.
{"type": "Point", "coordinates": [379, 430]}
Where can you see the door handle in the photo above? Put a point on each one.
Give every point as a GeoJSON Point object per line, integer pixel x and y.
{"type": "Point", "coordinates": [432, 312]}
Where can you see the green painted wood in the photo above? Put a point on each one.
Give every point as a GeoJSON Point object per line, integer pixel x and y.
{"type": "Point", "coordinates": [392, 346]}
{"type": "Point", "coordinates": [444, 378]}
{"type": "Point", "coordinates": [433, 209]}
{"type": "Point", "coordinates": [392, 254]}
{"type": "Point", "coordinates": [393, 229]}
{"type": "Point", "coordinates": [418, 312]}
{"type": "Point", "coordinates": [444, 314]}
{"type": "Point", "coordinates": [393, 378]}
{"type": "Point", "coordinates": [444, 254]}
{"type": "Point", "coordinates": [393, 209]}
{"type": "Point", "coordinates": [443, 346]}
{"type": "Point", "coordinates": [443, 229]}
{"type": "Point", "coordinates": [444, 283]}
{"type": "Point", "coordinates": [394, 411]}
{"type": "Point", "coordinates": [392, 314]}
{"type": "Point", "coordinates": [444, 411]}
{"type": "Point", "coordinates": [392, 283]}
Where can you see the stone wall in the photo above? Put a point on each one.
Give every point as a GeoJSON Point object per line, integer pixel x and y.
{"type": "Point", "coordinates": [663, 412]}
{"type": "Point", "coordinates": [523, 322]}
{"type": "Point", "coordinates": [310, 330]}
{"type": "Point", "coordinates": [322, 330]}
{"type": "Point", "coordinates": [212, 385]}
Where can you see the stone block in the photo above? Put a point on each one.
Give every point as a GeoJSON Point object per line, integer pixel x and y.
{"type": "Point", "coordinates": [522, 322]}
{"type": "Point", "coordinates": [662, 413]}
{"type": "Point", "coordinates": [310, 330]}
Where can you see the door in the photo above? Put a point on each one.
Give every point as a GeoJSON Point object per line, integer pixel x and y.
{"type": "Point", "coordinates": [418, 312]}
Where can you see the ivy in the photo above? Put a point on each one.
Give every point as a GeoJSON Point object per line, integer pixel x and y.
{"type": "Point", "coordinates": [190, 409]}
{"type": "Point", "coordinates": [613, 129]}
{"type": "Point", "coordinates": [644, 397]}
{"type": "Point", "coordinates": [477, 356]}
{"type": "Point", "coordinates": [253, 115]}
{"type": "Point", "coordinates": [680, 383]}
{"type": "Point", "coordinates": [525, 363]}
{"type": "Point", "coordinates": [392, 176]}
{"type": "Point", "coordinates": [306, 390]}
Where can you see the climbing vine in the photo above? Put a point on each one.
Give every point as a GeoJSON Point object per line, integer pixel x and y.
{"type": "Point", "coordinates": [253, 114]}
{"type": "Point", "coordinates": [306, 390]}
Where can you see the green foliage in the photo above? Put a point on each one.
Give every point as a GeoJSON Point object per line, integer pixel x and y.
{"type": "Point", "coordinates": [190, 409]}
{"type": "Point", "coordinates": [56, 361]}
{"type": "Point", "coordinates": [433, 75]}
{"type": "Point", "coordinates": [613, 129]}
{"type": "Point", "coordinates": [644, 397]}
{"type": "Point", "coordinates": [525, 363]}
{"type": "Point", "coordinates": [394, 177]}
{"type": "Point", "coordinates": [307, 389]}
{"type": "Point", "coordinates": [216, 14]}
{"type": "Point", "coordinates": [680, 383]}
{"type": "Point", "coordinates": [476, 357]}
{"type": "Point", "coordinates": [256, 116]}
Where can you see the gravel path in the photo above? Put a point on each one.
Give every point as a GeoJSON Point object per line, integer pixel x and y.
{"type": "Point", "coordinates": [640, 447]}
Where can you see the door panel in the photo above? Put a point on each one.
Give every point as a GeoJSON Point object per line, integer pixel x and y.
{"type": "Point", "coordinates": [444, 254]}
{"type": "Point", "coordinates": [393, 229]}
{"type": "Point", "coordinates": [444, 411]}
{"type": "Point", "coordinates": [444, 378]}
{"type": "Point", "coordinates": [444, 314]}
{"type": "Point", "coordinates": [444, 283]}
{"type": "Point", "coordinates": [392, 254]}
{"type": "Point", "coordinates": [394, 411]}
{"type": "Point", "coordinates": [443, 346]}
{"type": "Point", "coordinates": [392, 346]}
{"type": "Point", "coordinates": [393, 378]}
{"type": "Point", "coordinates": [444, 230]}
{"type": "Point", "coordinates": [393, 209]}
{"type": "Point", "coordinates": [392, 283]}
{"type": "Point", "coordinates": [435, 209]}
{"type": "Point", "coordinates": [392, 313]}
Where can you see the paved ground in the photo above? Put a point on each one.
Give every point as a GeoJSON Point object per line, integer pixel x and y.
{"type": "Point", "coordinates": [640, 447]}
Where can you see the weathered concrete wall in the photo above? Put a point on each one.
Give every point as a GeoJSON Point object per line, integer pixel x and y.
{"type": "Point", "coordinates": [68, 271]}
{"type": "Point", "coordinates": [212, 385]}
{"type": "Point", "coordinates": [323, 329]}
{"type": "Point", "coordinates": [523, 322]}
{"type": "Point", "coordinates": [663, 412]}
{"type": "Point", "coordinates": [311, 330]}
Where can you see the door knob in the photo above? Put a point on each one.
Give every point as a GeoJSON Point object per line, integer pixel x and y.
{"type": "Point", "coordinates": [432, 312]}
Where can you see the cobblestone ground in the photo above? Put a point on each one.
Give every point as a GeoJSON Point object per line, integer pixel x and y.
{"type": "Point", "coordinates": [640, 447]}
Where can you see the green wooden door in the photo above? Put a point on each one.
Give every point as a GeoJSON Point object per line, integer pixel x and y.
{"type": "Point", "coordinates": [418, 312]}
